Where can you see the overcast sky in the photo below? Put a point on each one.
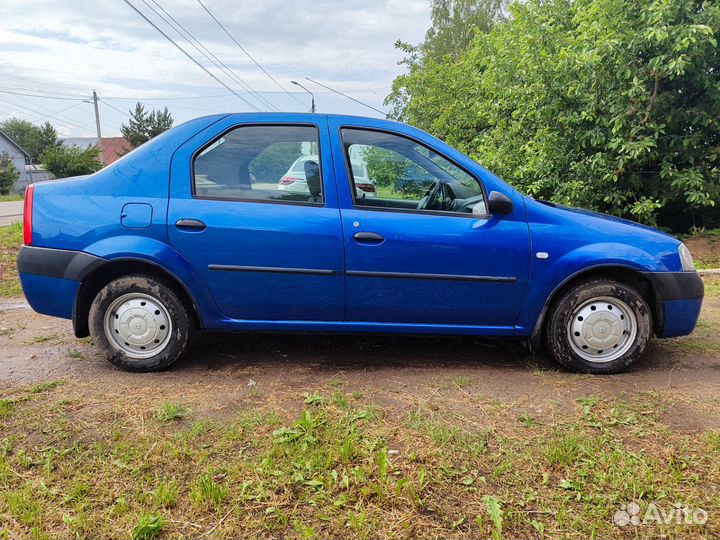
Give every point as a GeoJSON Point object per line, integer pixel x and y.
{"type": "Point", "coordinates": [64, 49]}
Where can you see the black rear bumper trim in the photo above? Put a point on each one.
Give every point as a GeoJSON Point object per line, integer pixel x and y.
{"type": "Point", "coordinates": [676, 285]}
{"type": "Point", "coordinates": [57, 263]}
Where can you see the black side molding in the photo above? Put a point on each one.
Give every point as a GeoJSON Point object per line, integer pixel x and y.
{"type": "Point", "coordinates": [271, 269]}
{"type": "Point", "coordinates": [57, 263]}
{"type": "Point", "coordinates": [439, 277]}
{"type": "Point", "coordinates": [676, 285]}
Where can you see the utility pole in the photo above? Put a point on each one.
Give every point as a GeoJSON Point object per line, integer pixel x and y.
{"type": "Point", "coordinates": [97, 125]}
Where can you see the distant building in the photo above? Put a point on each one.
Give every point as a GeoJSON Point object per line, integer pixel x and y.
{"type": "Point", "coordinates": [113, 148]}
{"type": "Point", "coordinates": [21, 159]}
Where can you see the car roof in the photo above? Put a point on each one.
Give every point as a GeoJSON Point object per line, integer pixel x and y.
{"type": "Point", "coordinates": [304, 116]}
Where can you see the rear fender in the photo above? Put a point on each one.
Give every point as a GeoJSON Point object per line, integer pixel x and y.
{"type": "Point", "coordinates": [150, 250]}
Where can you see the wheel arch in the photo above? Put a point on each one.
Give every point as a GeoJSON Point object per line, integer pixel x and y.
{"type": "Point", "coordinates": [116, 268]}
{"type": "Point", "coordinates": [623, 274]}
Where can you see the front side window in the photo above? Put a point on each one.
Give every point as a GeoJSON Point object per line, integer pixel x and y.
{"type": "Point", "coordinates": [261, 163]}
{"type": "Point", "coordinates": [407, 175]}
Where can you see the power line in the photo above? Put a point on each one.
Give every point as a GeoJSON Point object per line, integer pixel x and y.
{"type": "Point", "coordinates": [35, 81]}
{"type": "Point", "coordinates": [190, 38]}
{"type": "Point", "coordinates": [113, 106]}
{"type": "Point", "coordinates": [118, 98]}
{"type": "Point", "coordinates": [53, 115]}
{"type": "Point", "coordinates": [223, 66]}
{"type": "Point", "coordinates": [247, 53]}
{"type": "Point", "coordinates": [40, 115]}
{"type": "Point", "coordinates": [42, 92]}
{"type": "Point", "coordinates": [36, 96]}
{"type": "Point", "coordinates": [349, 97]}
{"type": "Point", "coordinates": [189, 56]}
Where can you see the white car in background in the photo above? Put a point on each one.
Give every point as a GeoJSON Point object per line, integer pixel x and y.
{"type": "Point", "coordinates": [294, 178]}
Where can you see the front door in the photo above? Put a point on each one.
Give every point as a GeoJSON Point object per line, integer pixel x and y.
{"type": "Point", "coordinates": [422, 248]}
{"type": "Point", "coordinates": [265, 252]}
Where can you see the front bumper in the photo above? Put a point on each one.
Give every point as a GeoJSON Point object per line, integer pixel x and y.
{"type": "Point", "coordinates": [679, 296]}
{"type": "Point", "coordinates": [51, 277]}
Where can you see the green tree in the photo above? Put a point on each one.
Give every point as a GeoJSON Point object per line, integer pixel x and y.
{"type": "Point", "coordinates": [455, 22]}
{"type": "Point", "coordinates": [453, 25]}
{"type": "Point", "coordinates": [8, 174]}
{"type": "Point", "coordinates": [33, 139]}
{"type": "Point", "coordinates": [274, 161]}
{"type": "Point", "coordinates": [143, 126]}
{"type": "Point", "coordinates": [385, 166]}
{"type": "Point", "coordinates": [66, 161]}
{"type": "Point", "coordinates": [612, 105]}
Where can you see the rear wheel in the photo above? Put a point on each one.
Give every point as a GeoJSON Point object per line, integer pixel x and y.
{"type": "Point", "coordinates": [599, 326]}
{"type": "Point", "coordinates": [140, 323]}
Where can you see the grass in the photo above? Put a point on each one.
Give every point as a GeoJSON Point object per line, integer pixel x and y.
{"type": "Point", "coordinates": [148, 527]}
{"type": "Point", "coordinates": [44, 387]}
{"type": "Point", "coordinates": [12, 197]}
{"type": "Point", "coordinates": [168, 412]}
{"type": "Point", "coordinates": [344, 468]}
{"type": "Point", "coordinates": [10, 242]}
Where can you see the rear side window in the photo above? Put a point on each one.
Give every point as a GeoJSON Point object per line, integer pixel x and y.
{"type": "Point", "coordinates": [261, 163]}
{"type": "Point", "coordinates": [408, 176]}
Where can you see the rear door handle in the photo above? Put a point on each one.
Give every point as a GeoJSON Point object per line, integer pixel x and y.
{"type": "Point", "coordinates": [190, 225]}
{"type": "Point", "coordinates": [368, 238]}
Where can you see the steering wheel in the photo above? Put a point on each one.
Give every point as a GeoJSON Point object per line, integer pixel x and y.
{"type": "Point", "coordinates": [431, 195]}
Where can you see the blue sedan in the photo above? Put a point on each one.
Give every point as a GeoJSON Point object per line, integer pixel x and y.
{"type": "Point", "coordinates": [191, 231]}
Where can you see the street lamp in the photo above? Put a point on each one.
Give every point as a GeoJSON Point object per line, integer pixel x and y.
{"type": "Point", "coordinates": [312, 96]}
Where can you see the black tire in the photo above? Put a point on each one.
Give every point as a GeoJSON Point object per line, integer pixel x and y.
{"type": "Point", "coordinates": [177, 338]}
{"type": "Point", "coordinates": [567, 306]}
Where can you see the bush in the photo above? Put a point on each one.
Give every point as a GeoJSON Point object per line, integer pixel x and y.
{"type": "Point", "coordinates": [65, 161]}
{"type": "Point", "coordinates": [8, 174]}
{"type": "Point", "coordinates": [606, 104]}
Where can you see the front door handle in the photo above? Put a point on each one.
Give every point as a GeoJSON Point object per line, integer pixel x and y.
{"type": "Point", "coordinates": [194, 225]}
{"type": "Point", "coordinates": [368, 238]}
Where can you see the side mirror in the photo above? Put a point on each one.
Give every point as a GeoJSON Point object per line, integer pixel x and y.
{"type": "Point", "coordinates": [499, 203]}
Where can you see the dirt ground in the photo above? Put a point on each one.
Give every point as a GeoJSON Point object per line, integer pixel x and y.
{"type": "Point", "coordinates": [225, 371]}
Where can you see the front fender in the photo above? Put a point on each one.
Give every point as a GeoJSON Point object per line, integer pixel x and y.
{"type": "Point", "coordinates": [548, 275]}
{"type": "Point", "coordinates": [150, 250]}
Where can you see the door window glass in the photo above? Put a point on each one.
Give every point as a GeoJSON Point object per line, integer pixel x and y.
{"type": "Point", "coordinates": [407, 175]}
{"type": "Point", "coordinates": [261, 163]}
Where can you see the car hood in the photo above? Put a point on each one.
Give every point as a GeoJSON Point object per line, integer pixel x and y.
{"type": "Point", "coordinates": [605, 217]}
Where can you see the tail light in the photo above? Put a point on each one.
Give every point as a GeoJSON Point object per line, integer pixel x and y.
{"type": "Point", "coordinates": [287, 180]}
{"type": "Point", "coordinates": [27, 215]}
{"type": "Point", "coordinates": [367, 188]}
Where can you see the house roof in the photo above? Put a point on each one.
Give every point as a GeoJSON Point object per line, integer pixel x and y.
{"type": "Point", "coordinates": [113, 148]}
{"type": "Point", "coordinates": [16, 145]}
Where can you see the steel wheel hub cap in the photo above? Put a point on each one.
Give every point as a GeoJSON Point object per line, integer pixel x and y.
{"type": "Point", "coordinates": [138, 324]}
{"type": "Point", "coordinates": [602, 329]}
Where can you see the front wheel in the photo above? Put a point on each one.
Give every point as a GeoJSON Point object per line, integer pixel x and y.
{"type": "Point", "coordinates": [140, 323]}
{"type": "Point", "coordinates": [599, 326]}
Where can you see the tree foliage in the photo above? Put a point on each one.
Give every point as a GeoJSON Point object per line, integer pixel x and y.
{"type": "Point", "coordinates": [274, 161]}
{"type": "Point", "coordinates": [143, 126]}
{"type": "Point", "coordinates": [66, 161]}
{"type": "Point", "coordinates": [8, 174]}
{"type": "Point", "coordinates": [33, 139]}
{"type": "Point", "coordinates": [608, 104]}
{"type": "Point", "coordinates": [454, 24]}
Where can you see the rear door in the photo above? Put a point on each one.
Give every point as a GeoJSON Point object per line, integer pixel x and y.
{"type": "Point", "coordinates": [424, 250]}
{"type": "Point", "coordinates": [265, 253]}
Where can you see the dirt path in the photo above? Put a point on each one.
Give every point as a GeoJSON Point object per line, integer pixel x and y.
{"type": "Point", "coordinates": [224, 370]}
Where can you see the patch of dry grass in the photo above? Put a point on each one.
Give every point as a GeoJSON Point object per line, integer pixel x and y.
{"type": "Point", "coordinates": [75, 461]}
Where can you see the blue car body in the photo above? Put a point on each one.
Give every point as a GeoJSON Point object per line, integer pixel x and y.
{"type": "Point", "coordinates": [284, 267]}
